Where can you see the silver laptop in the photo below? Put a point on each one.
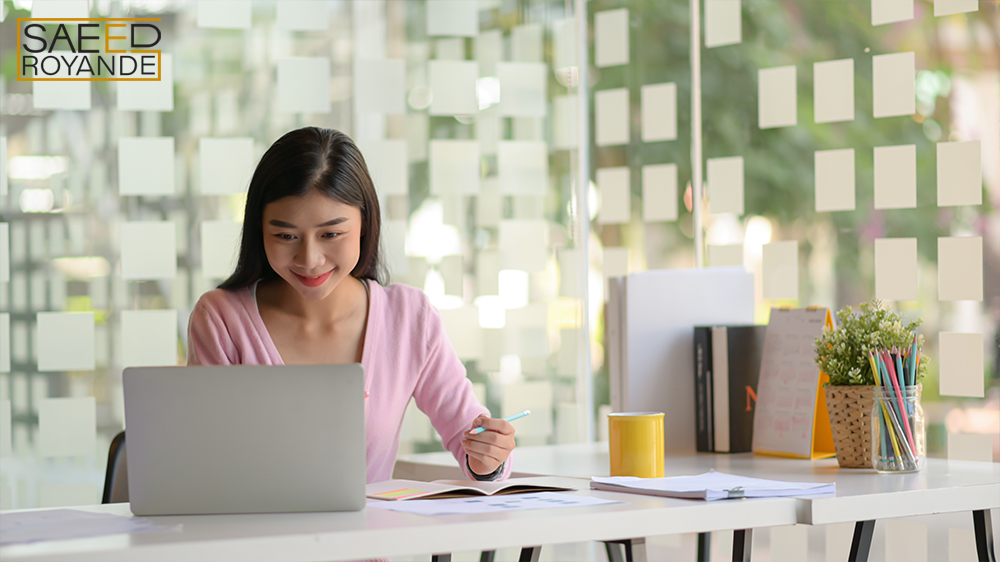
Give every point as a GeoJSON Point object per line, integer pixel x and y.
{"type": "Point", "coordinates": [245, 439]}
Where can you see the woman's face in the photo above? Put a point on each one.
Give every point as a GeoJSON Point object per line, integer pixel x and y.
{"type": "Point", "coordinates": [312, 242]}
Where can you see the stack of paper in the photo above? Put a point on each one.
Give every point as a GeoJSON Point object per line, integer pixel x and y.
{"type": "Point", "coordinates": [710, 486]}
{"type": "Point", "coordinates": [61, 524]}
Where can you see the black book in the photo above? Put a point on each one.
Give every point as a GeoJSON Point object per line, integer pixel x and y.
{"type": "Point", "coordinates": [736, 353]}
{"type": "Point", "coordinates": [704, 441]}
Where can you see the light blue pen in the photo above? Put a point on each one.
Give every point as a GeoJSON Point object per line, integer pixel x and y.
{"type": "Point", "coordinates": [516, 416]}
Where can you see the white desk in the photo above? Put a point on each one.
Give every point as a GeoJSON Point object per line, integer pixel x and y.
{"type": "Point", "coordinates": [382, 533]}
{"type": "Point", "coordinates": [862, 494]}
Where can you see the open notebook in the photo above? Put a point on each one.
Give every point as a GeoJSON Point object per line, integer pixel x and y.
{"type": "Point", "coordinates": [396, 490]}
{"type": "Point", "coordinates": [710, 486]}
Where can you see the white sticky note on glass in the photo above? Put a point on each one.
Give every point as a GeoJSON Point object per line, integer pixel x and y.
{"type": "Point", "coordinates": [894, 84]}
{"type": "Point", "coordinates": [452, 48]}
{"type": "Point", "coordinates": [224, 14]}
{"type": "Point", "coordinates": [5, 420]}
{"type": "Point", "coordinates": [452, 17]}
{"type": "Point", "coordinates": [614, 262]}
{"type": "Point", "coordinates": [613, 186]}
{"type": "Point", "coordinates": [611, 38]}
{"type": "Point", "coordinates": [149, 250]}
{"type": "Point", "coordinates": [723, 22]}
{"type": "Point", "coordinates": [394, 241]}
{"type": "Point", "coordinates": [220, 247]}
{"type": "Point", "coordinates": [780, 270]}
{"type": "Point", "coordinates": [65, 341]}
{"type": "Point", "coordinates": [523, 167]}
{"type": "Point", "coordinates": [524, 245]}
{"type": "Point", "coordinates": [381, 88]}
{"type": "Point", "coordinates": [146, 166]}
{"type": "Point", "coordinates": [67, 427]}
{"type": "Point", "coordinates": [455, 167]}
{"type": "Point", "coordinates": [659, 112]}
{"type": "Point", "coordinates": [896, 269]}
{"type": "Point", "coordinates": [462, 326]}
{"type": "Point", "coordinates": [960, 268]}
{"type": "Point", "coordinates": [564, 44]}
{"type": "Point", "coordinates": [303, 15]}
{"type": "Point", "coordinates": [149, 338]}
{"type": "Point", "coordinates": [905, 541]}
{"type": "Point", "coordinates": [489, 51]}
{"type": "Point", "coordinates": [962, 542]}
{"type": "Point", "coordinates": [970, 447]}
{"type": "Point", "coordinates": [889, 11]}
{"type": "Point", "coordinates": [388, 165]}
{"type": "Point", "coordinates": [3, 166]}
{"type": "Point", "coordinates": [895, 176]}
{"type": "Point", "coordinates": [4, 342]}
{"type": "Point", "coordinates": [959, 173]}
{"type": "Point", "coordinates": [833, 90]}
{"type": "Point", "coordinates": [226, 165]}
{"type": "Point", "coordinates": [489, 204]}
{"type": "Point", "coordinates": [949, 7]}
{"type": "Point", "coordinates": [725, 255]}
{"type": "Point", "coordinates": [150, 96]}
{"type": "Point", "coordinates": [4, 252]}
{"type": "Point", "coordinates": [304, 85]}
{"type": "Point", "coordinates": [725, 185]}
{"type": "Point", "coordinates": [776, 97]}
{"type": "Point", "coordinates": [659, 192]}
{"type": "Point", "coordinates": [59, 94]}
{"type": "Point", "coordinates": [564, 120]}
{"type": "Point", "coordinates": [611, 108]}
{"type": "Point", "coordinates": [961, 364]}
{"type": "Point", "coordinates": [453, 87]}
{"type": "Point", "coordinates": [522, 88]}
{"type": "Point", "coordinates": [59, 9]}
{"type": "Point", "coordinates": [488, 273]}
{"type": "Point", "coordinates": [835, 180]}
{"type": "Point", "coordinates": [789, 543]}
{"type": "Point", "coordinates": [526, 42]}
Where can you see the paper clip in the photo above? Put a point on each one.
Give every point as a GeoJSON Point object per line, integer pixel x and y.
{"type": "Point", "coordinates": [736, 493]}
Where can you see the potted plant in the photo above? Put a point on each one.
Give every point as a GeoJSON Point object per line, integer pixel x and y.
{"type": "Point", "coordinates": [843, 354]}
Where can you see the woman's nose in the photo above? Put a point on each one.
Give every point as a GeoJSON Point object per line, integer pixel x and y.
{"type": "Point", "coordinates": [309, 255]}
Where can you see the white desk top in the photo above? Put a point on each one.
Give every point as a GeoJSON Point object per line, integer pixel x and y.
{"type": "Point", "coordinates": [383, 533]}
{"type": "Point", "coordinates": [942, 486]}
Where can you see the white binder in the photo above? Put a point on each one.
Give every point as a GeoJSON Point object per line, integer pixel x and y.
{"type": "Point", "coordinates": [650, 323]}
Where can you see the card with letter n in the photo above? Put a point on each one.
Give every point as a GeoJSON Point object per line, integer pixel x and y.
{"type": "Point", "coordinates": [791, 418]}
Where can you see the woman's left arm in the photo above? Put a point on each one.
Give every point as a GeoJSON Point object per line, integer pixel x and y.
{"type": "Point", "coordinates": [444, 393]}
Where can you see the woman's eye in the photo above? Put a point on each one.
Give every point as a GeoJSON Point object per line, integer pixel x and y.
{"type": "Point", "coordinates": [285, 236]}
{"type": "Point", "coordinates": [331, 235]}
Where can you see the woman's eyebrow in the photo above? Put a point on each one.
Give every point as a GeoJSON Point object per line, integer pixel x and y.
{"type": "Point", "coordinates": [283, 224]}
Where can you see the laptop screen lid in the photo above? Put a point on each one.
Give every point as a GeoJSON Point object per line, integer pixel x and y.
{"type": "Point", "coordinates": [245, 439]}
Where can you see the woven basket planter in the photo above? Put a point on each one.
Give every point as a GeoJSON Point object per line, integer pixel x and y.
{"type": "Point", "coordinates": [850, 408]}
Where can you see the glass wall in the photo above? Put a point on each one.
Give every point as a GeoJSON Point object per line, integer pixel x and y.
{"type": "Point", "coordinates": [830, 131]}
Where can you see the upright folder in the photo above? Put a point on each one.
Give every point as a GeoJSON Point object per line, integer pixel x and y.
{"type": "Point", "coordinates": [650, 323]}
{"type": "Point", "coordinates": [791, 418]}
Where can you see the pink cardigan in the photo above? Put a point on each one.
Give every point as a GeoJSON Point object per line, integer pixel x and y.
{"type": "Point", "coordinates": [406, 353]}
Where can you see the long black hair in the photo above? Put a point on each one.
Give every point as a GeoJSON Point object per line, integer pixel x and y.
{"type": "Point", "coordinates": [304, 159]}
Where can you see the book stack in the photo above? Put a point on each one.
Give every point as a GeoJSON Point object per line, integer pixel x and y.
{"type": "Point", "coordinates": [727, 369]}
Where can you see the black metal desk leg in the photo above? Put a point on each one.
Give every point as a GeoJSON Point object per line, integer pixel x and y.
{"type": "Point", "coordinates": [704, 547]}
{"type": "Point", "coordinates": [742, 543]}
{"type": "Point", "coordinates": [441, 557]}
{"type": "Point", "coordinates": [983, 523]}
{"type": "Point", "coordinates": [487, 556]}
{"type": "Point", "coordinates": [861, 544]}
{"type": "Point", "coordinates": [530, 554]}
{"type": "Point", "coordinates": [635, 550]}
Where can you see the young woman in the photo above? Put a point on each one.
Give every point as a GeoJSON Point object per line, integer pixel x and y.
{"type": "Point", "coordinates": [308, 289]}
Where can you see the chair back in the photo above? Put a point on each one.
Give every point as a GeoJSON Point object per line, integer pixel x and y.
{"type": "Point", "coordinates": [116, 477]}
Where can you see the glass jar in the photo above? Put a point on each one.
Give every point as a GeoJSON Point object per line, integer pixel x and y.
{"type": "Point", "coordinates": [899, 438]}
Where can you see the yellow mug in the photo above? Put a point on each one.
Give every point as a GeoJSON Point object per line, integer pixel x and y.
{"type": "Point", "coordinates": [636, 440]}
